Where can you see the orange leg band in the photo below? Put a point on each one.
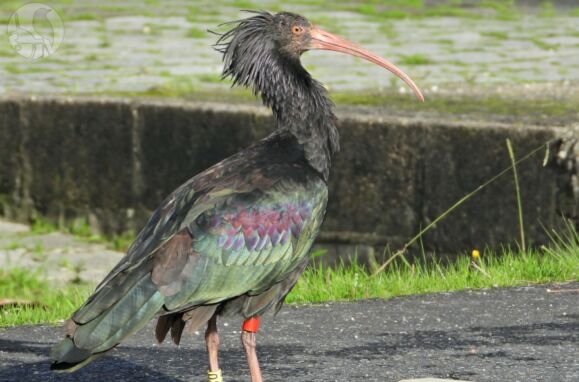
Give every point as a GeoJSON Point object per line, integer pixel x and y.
{"type": "Point", "coordinates": [251, 325]}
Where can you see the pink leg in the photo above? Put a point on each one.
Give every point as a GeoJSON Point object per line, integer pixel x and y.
{"type": "Point", "coordinates": [248, 338]}
{"type": "Point", "coordinates": [212, 341]}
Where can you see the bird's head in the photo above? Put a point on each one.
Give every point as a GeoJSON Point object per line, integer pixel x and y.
{"type": "Point", "coordinates": [257, 40]}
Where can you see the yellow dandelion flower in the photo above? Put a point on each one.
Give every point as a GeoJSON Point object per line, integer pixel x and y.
{"type": "Point", "coordinates": [475, 254]}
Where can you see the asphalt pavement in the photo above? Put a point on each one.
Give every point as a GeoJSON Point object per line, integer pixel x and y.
{"type": "Point", "coordinates": [515, 334]}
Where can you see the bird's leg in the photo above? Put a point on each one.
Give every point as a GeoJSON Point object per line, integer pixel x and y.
{"type": "Point", "coordinates": [248, 334]}
{"type": "Point", "coordinates": [212, 341]}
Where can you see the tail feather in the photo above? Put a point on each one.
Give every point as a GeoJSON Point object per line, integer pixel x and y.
{"type": "Point", "coordinates": [164, 323]}
{"type": "Point", "coordinates": [67, 351]}
{"type": "Point", "coordinates": [71, 357]}
{"type": "Point", "coordinates": [199, 316]}
{"type": "Point", "coordinates": [130, 312]}
{"type": "Point", "coordinates": [109, 293]}
{"type": "Point", "coordinates": [177, 322]}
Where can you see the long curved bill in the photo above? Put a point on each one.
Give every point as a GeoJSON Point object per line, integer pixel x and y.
{"type": "Point", "coordinates": [320, 39]}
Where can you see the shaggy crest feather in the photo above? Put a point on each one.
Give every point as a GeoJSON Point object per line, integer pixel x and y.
{"type": "Point", "coordinates": [252, 58]}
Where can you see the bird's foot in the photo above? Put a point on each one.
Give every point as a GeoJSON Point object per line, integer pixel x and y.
{"type": "Point", "coordinates": [214, 376]}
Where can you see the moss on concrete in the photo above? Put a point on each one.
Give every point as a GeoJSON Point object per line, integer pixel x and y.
{"type": "Point", "coordinates": [536, 109]}
{"type": "Point", "coordinates": [550, 110]}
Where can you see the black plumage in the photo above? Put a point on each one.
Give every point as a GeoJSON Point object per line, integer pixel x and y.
{"type": "Point", "coordinates": [235, 238]}
{"type": "Point", "coordinates": [299, 103]}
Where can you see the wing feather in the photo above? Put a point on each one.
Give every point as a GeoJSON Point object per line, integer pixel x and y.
{"type": "Point", "coordinates": [217, 257]}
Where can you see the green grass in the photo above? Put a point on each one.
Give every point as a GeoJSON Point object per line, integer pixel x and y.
{"type": "Point", "coordinates": [91, 57]}
{"type": "Point", "coordinates": [196, 33]}
{"type": "Point", "coordinates": [387, 29]}
{"type": "Point", "coordinates": [13, 69]}
{"type": "Point", "coordinates": [498, 35]}
{"type": "Point", "coordinates": [547, 9]}
{"type": "Point", "coordinates": [544, 45]}
{"type": "Point", "coordinates": [7, 52]}
{"type": "Point", "coordinates": [83, 17]}
{"type": "Point", "coordinates": [27, 68]}
{"type": "Point", "coordinates": [41, 226]}
{"type": "Point", "coordinates": [379, 12]}
{"type": "Point", "coordinates": [55, 303]}
{"type": "Point", "coordinates": [243, 4]}
{"type": "Point", "coordinates": [12, 245]}
{"type": "Point", "coordinates": [105, 43]}
{"type": "Point", "coordinates": [209, 78]}
{"type": "Point", "coordinates": [330, 24]}
{"type": "Point", "coordinates": [444, 41]}
{"type": "Point", "coordinates": [503, 9]}
{"type": "Point", "coordinates": [416, 4]}
{"type": "Point", "coordinates": [81, 229]}
{"type": "Point", "coordinates": [558, 263]}
{"type": "Point", "coordinates": [387, 10]}
{"type": "Point", "coordinates": [116, 242]}
{"type": "Point", "coordinates": [415, 59]}
{"type": "Point", "coordinates": [449, 11]}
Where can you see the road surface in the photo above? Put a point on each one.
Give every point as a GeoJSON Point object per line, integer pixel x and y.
{"type": "Point", "coordinates": [515, 334]}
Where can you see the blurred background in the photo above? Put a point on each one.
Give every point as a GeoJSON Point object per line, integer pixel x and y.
{"type": "Point", "coordinates": [523, 49]}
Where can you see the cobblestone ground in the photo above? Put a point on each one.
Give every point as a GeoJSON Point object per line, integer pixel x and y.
{"type": "Point", "coordinates": [134, 46]}
{"type": "Point", "coordinates": [60, 257]}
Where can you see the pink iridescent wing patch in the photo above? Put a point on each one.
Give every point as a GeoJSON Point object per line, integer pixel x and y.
{"type": "Point", "coordinates": [256, 227]}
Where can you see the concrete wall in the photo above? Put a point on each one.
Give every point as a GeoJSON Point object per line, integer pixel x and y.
{"type": "Point", "coordinates": [114, 160]}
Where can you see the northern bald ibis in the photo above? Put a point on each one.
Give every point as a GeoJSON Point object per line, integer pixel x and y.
{"type": "Point", "coordinates": [234, 239]}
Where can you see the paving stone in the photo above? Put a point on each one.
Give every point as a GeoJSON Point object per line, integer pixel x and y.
{"type": "Point", "coordinates": [60, 257]}
{"type": "Point", "coordinates": [152, 49]}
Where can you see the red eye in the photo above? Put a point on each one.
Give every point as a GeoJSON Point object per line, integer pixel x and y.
{"type": "Point", "coordinates": [297, 29]}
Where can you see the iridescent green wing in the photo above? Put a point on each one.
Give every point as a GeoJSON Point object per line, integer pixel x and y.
{"type": "Point", "coordinates": [242, 243]}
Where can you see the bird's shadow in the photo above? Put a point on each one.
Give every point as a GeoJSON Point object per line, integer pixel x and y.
{"type": "Point", "coordinates": [120, 368]}
{"type": "Point", "coordinates": [282, 361]}
{"type": "Point", "coordinates": [388, 344]}
{"type": "Point", "coordinates": [155, 363]}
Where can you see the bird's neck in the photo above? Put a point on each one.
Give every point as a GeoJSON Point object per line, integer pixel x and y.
{"type": "Point", "coordinates": [302, 107]}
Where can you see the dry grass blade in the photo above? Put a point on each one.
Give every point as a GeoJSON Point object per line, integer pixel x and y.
{"type": "Point", "coordinates": [16, 303]}
{"type": "Point", "coordinates": [402, 251]}
{"type": "Point", "coordinates": [518, 193]}
{"type": "Point", "coordinates": [478, 268]}
{"type": "Point", "coordinates": [562, 290]}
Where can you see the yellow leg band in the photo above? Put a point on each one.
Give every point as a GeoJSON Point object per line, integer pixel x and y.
{"type": "Point", "coordinates": [214, 376]}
